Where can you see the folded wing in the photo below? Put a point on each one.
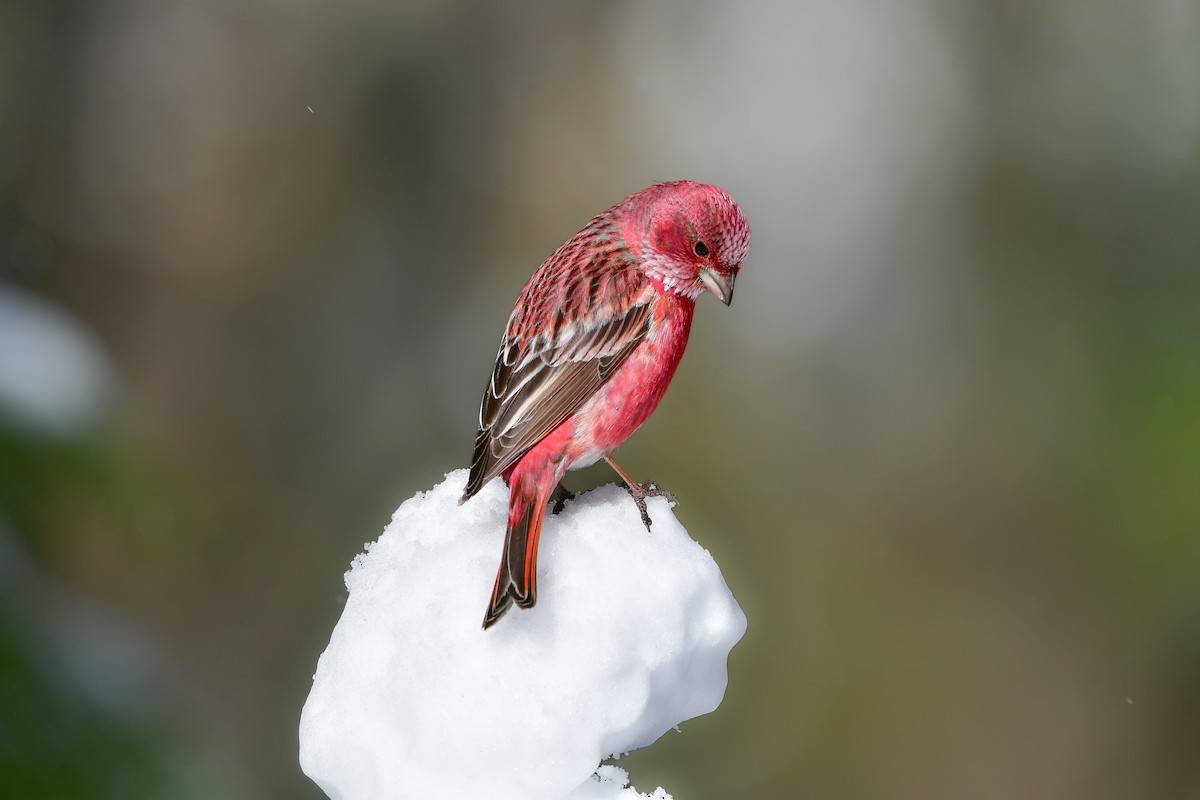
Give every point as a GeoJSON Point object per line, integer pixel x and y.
{"type": "Point", "coordinates": [534, 388]}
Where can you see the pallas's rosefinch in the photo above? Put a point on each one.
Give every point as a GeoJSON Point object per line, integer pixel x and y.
{"type": "Point", "coordinates": [589, 350]}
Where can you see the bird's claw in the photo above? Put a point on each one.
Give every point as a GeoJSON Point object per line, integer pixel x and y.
{"type": "Point", "coordinates": [559, 497]}
{"type": "Point", "coordinates": [640, 491]}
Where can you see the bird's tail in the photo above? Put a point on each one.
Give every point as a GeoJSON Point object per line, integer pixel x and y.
{"type": "Point", "coordinates": [516, 580]}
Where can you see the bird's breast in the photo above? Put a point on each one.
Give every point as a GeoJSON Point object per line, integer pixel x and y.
{"type": "Point", "coordinates": [630, 396]}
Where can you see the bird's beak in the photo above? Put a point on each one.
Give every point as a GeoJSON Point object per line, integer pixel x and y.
{"type": "Point", "coordinates": [720, 285]}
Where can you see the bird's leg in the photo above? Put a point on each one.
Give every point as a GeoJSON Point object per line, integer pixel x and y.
{"type": "Point", "coordinates": [640, 491]}
{"type": "Point", "coordinates": [559, 497]}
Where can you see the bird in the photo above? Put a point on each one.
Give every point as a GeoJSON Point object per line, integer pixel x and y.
{"type": "Point", "coordinates": [588, 352]}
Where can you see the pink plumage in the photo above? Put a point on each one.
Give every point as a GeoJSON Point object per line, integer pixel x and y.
{"type": "Point", "coordinates": [589, 350]}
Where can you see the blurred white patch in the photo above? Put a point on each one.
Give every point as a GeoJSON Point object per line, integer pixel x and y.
{"type": "Point", "coordinates": [53, 374]}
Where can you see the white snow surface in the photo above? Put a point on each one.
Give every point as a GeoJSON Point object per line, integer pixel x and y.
{"type": "Point", "coordinates": [412, 699]}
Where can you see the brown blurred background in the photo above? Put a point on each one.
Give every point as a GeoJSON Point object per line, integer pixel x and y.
{"type": "Point", "coordinates": [255, 258]}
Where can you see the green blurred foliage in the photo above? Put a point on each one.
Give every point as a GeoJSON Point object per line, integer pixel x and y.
{"type": "Point", "coordinates": [56, 741]}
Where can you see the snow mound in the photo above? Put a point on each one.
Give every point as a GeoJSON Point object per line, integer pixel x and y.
{"type": "Point", "coordinates": [412, 699]}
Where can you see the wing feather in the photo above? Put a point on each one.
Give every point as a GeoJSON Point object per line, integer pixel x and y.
{"type": "Point", "coordinates": [533, 391]}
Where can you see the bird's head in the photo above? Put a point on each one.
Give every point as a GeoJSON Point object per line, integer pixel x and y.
{"type": "Point", "coordinates": [695, 238]}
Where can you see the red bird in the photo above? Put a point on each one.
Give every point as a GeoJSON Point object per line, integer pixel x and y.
{"type": "Point", "coordinates": [589, 350]}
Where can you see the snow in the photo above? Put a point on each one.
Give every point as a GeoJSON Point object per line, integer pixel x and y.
{"type": "Point", "coordinates": [412, 699]}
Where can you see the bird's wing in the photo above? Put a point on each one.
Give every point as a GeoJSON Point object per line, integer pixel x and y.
{"type": "Point", "coordinates": [539, 382]}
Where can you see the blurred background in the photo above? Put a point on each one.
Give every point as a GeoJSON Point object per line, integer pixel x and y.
{"type": "Point", "coordinates": [255, 258]}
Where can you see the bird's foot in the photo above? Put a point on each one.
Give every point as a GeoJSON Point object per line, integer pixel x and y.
{"type": "Point", "coordinates": [640, 491]}
{"type": "Point", "coordinates": [559, 497]}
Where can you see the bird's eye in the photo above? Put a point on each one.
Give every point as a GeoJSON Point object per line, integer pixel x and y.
{"type": "Point", "coordinates": [701, 249]}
